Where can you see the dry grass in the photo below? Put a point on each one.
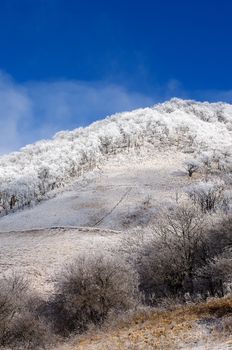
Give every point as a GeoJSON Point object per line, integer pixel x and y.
{"type": "Point", "coordinates": [186, 327]}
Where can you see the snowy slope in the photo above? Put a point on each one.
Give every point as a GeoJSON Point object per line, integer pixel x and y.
{"type": "Point", "coordinates": [28, 175]}
{"type": "Point", "coordinates": [115, 174]}
{"type": "Point", "coordinates": [125, 192]}
{"type": "Point", "coordinates": [40, 254]}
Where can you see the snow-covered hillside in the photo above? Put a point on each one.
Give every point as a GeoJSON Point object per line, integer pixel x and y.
{"type": "Point", "coordinates": [28, 175]}
{"type": "Point", "coordinates": [123, 193]}
{"type": "Point", "coordinates": [151, 189]}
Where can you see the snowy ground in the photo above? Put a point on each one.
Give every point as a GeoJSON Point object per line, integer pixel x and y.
{"type": "Point", "coordinates": [41, 254]}
{"type": "Point", "coordinates": [125, 192]}
{"type": "Point", "coordinates": [113, 197]}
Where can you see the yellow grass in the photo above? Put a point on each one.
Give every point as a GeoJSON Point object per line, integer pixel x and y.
{"type": "Point", "coordinates": [164, 330]}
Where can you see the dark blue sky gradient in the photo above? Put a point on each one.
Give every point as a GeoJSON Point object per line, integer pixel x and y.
{"type": "Point", "coordinates": [143, 44]}
{"type": "Point", "coordinates": [66, 63]}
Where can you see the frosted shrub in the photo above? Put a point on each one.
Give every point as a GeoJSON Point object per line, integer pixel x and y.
{"type": "Point", "coordinates": [223, 159]}
{"type": "Point", "coordinates": [167, 260]}
{"type": "Point", "coordinates": [89, 289]}
{"type": "Point", "coordinates": [192, 166]}
{"type": "Point", "coordinates": [20, 325]}
{"type": "Point", "coordinates": [226, 165]}
{"type": "Point", "coordinates": [216, 276]}
{"type": "Point", "coordinates": [181, 254]}
{"type": "Point", "coordinates": [206, 159]}
{"type": "Point", "coordinates": [208, 195]}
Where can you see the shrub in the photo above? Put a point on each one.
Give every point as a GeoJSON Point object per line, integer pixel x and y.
{"type": "Point", "coordinates": [213, 278]}
{"type": "Point", "coordinates": [11, 292]}
{"type": "Point", "coordinates": [227, 325]}
{"type": "Point", "coordinates": [20, 325]}
{"type": "Point", "coordinates": [28, 331]}
{"type": "Point", "coordinates": [181, 254]}
{"type": "Point", "coordinates": [89, 289]}
{"type": "Point", "coordinates": [166, 262]}
{"type": "Point", "coordinates": [192, 166]}
{"type": "Point", "coordinates": [219, 237]}
{"type": "Point", "coordinates": [208, 195]}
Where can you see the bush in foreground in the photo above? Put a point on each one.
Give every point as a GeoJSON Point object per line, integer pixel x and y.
{"type": "Point", "coordinates": [181, 255]}
{"type": "Point", "coordinates": [89, 289]}
{"type": "Point", "coordinates": [20, 325]}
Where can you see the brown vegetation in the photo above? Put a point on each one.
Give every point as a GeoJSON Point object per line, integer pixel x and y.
{"type": "Point", "coordinates": [181, 327]}
{"type": "Point", "coordinates": [143, 296]}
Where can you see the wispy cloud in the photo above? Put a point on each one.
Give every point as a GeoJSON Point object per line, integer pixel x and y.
{"type": "Point", "coordinates": [69, 104]}
{"type": "Point", "coordinates": [15, 114]}
{"type": "Point", "coordinates": [35, 110]}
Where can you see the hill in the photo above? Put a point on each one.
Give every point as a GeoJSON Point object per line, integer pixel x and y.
{"type": "Point", "coordinates": [133, 215]}
{"type": "Point", "coordinates": [27, 176]}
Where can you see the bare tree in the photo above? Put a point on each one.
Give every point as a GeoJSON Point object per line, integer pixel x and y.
{"type": "Point", "coordinates": [167, 259]}
{"type": "Point", "coordinates": [209, 195]}
{"type": "Point", "coordinates": [192, 166]}
{"type": "Point", "coordinates": [181, 237]}
{"type": "Point", "coordinates": [20, 326]}
{"type": "Point", "coordinates": [90, 288]}
{"type": "Point", "coordinates": [215, 276]}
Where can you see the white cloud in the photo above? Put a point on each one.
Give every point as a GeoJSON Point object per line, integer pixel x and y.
{"type": "Point", "coordinates": [15, 112]}
{"type": "Point", "coordinates": [35, 110]}
{"type": "Point", "coordinates": [75, 103]}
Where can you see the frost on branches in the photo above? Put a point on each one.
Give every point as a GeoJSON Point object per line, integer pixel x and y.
{"type": "Point", "coordinates": [208, 195]}
{"type": "Point", "coordinates": [28, 175]}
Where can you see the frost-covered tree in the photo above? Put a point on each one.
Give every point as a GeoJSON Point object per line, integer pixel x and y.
{"type": "Point", "coordinates": [192, 166]}
{"type": "Point", "coordinates": [215, 277]}
{"type": "Point", "coordinates": [206, 159]}
{"type": "Point", "coordinates": [177, 123]}
{"type": "Point", "coordinates": [90, 288]}
{"type": "Point", "coordinates": [226, 165]}
{"type": "Point", "coordinates": [167, 260]}
{"type": "Point", "coordinates": [209, 195]}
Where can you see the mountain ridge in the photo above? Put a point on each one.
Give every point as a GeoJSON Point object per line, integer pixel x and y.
{"type": "Point", "coordinates": [28, 175]}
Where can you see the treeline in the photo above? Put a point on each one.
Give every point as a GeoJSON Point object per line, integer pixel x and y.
{"type": "Point", "coordinates": [27, 176]}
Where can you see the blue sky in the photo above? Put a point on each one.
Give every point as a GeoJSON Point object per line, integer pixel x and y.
{"type": "Point", "coordinates": [66, 63]}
